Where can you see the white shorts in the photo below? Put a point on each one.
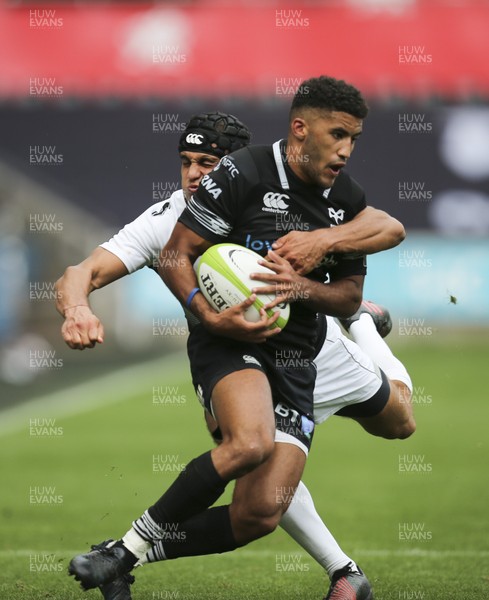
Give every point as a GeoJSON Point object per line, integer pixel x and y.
{"type": "Point", "coordinates": [345, 374]}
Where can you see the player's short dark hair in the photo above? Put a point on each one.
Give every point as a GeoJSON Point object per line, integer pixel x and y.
{"type": "Point", "coordinates": [330, 94]}
{"type": "Point", "coordinates": [214, 133]}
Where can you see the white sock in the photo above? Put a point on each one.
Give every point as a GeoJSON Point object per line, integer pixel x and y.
{"type": "Point", "coordinates": [304, 525]}
{"type": "Point", "coordinates": [154, 554]}
{"type": "Point", "coordinates": [367, 337]}
{"type": "Point", "coordinates": [136, 544]}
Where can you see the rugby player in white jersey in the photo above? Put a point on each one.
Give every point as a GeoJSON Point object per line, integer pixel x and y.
{"type": "Point", "coordinates": [139, 243]}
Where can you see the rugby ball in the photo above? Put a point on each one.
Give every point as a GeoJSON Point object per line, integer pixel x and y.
{"type": "Point", "coordinates": [223, 273]}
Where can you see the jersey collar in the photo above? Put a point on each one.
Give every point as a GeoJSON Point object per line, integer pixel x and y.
{"type": "Point", "coordinates": [281, 162]}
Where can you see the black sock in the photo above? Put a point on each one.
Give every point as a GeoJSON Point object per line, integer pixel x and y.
{"type": "Point", "coordinates": [128, 559]}
{"type": "Point", "coordinates": [194, 490]}
{"type": "Point", "coordinates": [209, 532]}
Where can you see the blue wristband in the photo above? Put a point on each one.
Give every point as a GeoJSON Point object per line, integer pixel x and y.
{"type": "Point", "coordinates": [191, 296]}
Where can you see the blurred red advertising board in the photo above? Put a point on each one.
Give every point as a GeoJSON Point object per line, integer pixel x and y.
{"type": "Point", "coordinates": [128, 50]}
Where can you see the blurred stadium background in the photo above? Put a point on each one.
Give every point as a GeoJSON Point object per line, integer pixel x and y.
{"type": "Point", "coordinates": [94, 96]}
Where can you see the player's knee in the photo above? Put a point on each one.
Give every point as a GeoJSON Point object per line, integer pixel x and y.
{"type": "Point", "coordinates": [247, 453]}
{"type": "Point", "coordinates": [398, 421]}
{"type": "Point", "coordinates": [257, 450]}
{"type": "Point", "coordinates": [406, 429]}
{"type": "Point", "coordinates": [399, 430]}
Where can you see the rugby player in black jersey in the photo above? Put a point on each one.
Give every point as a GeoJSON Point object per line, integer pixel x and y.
{"type": "Point", "coordinates": [299, 175]}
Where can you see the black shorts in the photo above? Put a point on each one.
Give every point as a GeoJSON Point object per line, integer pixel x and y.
{"type": "Point", "coordinates": [291, 377]}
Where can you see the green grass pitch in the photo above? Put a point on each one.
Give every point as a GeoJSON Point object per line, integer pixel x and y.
{"type": "Point", "coordinates": [418, 532]}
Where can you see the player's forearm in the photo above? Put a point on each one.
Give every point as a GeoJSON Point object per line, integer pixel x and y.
{"type": "Point", "coordinates": [338, 299]}
{"type": "Point", "coordinates": [371, 231]}
{"type": "Point", "coordinates": [182, 282]}
{"type": "Point", "coordinates": [179, 275]}
{"type": "Point", "coordinates": [78, 282]}
{"type": "Point", "coordinates": [73, 288]}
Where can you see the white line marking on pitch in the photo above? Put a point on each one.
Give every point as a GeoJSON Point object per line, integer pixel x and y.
{"type": "Point", "coordinates": [90, 395]}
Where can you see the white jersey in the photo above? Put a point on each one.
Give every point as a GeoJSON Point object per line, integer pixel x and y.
{"type": "Point", "coordinates": [140, 242]}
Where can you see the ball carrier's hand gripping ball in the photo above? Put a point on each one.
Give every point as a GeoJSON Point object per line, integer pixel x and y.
{"type": "Point", "coordinates": [223, 273]}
